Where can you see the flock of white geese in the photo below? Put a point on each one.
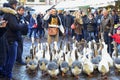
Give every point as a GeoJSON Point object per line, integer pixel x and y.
{"type": "Point", "coordinates": [76, 57]}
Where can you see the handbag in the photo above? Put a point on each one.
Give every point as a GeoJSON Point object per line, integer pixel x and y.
{"type": "Point", "coordinates": [73, 26]}
{"type": "Point", "coordinates": [52, 31]}
{"type": "Point", "coordinates": [35, 25]}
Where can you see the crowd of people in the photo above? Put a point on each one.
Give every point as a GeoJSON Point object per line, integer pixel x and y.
{"type": "Point", "coordinates": [97, 25]}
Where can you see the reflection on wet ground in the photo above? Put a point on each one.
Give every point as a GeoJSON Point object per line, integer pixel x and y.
{"type": "Point", "coordinates": [20, 73]}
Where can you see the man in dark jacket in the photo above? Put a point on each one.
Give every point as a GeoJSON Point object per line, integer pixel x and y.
{"type": "Point", "coordinates": [20, 17]}
{"type": "Point", "coordinates": [69, 19]}
{"type": "Point", "coordinates": [85, 23]}
{"type": "Point", "coordinates": [13, 28]}
{"type": "Point", "coordinates": [106, 27]}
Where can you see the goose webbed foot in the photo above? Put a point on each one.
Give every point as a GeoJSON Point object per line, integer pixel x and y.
{"type": "Point", "coordinates": [55, 77]}
{"type": "Point", "coordinates": [77, 77]}
{"type": "Point", "coordinates": [90, 75]}
{"type": "Point", "coordinates": [44, 73]}
{"type": "Point", "coordinates": [105, 77]}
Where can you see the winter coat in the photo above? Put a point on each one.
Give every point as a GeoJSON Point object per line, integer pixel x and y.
{"type": "Point", "coordinates": [91, 25]}
{"type": "Point", "coordinates": [22, 20]}
{"type": "Point", "coordinates": [115, 18]}
{"type": "Point", "coordinates": [62, 18]}
{"type": "Point", "coordinates": [85, 22]}
{"type": "Point", "coordinates": [68, 21]}
{"type": "Point", "coordinates": [78, 23]}
{"type": "Point", "coordinates": [13, 26]}
{"type": "Point", "coordinates": [39, 22]}
{"type": "Point", "coordinates": [107, 24]}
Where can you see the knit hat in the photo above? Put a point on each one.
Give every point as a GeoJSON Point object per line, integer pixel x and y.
{"type": "Point", "coordinates": [11, 2]}
{"type": "Point", "coordinates": [118, 28]}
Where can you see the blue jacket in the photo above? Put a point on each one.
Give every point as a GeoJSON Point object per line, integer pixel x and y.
{"type": "Point", "coordinates": [32, 22]}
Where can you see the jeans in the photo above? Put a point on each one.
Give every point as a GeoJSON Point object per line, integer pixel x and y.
{"type": "Point", "coordinates": [33, 32]}
{"type": "Point", "coordinates": [78, 37]}
{"type": "Point", "coordinates": [108, 41]}
{"type": "Point", "coordinates": [41, 33]}
{"type": "Point", "coordinates": [91, 36]}
{"type": "Point", "coordinates": [85, 34]}
{"type": "Point", "coordinates": [68, 32]}
{"type": "Point", "coordinates": [11, 57]}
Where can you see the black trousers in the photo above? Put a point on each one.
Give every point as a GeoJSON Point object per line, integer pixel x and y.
{"type": "Point", "coordinates": [19, 50]}
{"type": "Point", "coordinates": [108, 41]}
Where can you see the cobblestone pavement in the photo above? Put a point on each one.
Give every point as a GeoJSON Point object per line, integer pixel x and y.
{"type": "Point", "coordinates": [20, 73]}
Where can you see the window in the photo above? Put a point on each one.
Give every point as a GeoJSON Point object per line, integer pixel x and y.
{"type": "Point", "coordinates": [42, 0]}
{"type": "Point", "coordinates": [30, 0]}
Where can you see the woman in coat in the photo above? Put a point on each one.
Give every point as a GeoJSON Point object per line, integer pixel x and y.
{"type": "Point", "coordinates": [78, 23]}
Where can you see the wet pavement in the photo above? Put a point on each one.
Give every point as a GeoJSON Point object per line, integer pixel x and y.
{"type": "Point", "coordinates": [20, 72]}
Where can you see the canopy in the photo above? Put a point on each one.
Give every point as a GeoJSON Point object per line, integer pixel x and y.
{"type": "Point", "coordinates": [71, 4]}
{"type": "Point", "coordinates": [82, 3]}
{"type": "Point", "coordinates": [100, 3]}
{"type": "Point", "coordinates": [41, 8]}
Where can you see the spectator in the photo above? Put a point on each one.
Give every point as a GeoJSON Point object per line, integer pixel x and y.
{"type": "Point", "coordinates": [20, 13]}
{"type": "Point", "coordinates": [116, 38]}
{"type": "Point", "coordinates": [85, 23]}
{"type": "Point", "coordinates": [105, 28]}
{"type": "Point", "coordinates": [91, 27]}
{"type": "Point", "coordinates": [54, 22]}
{"type": "Point", "coordinates": [115, 17]}
{"type": "Point", "coordinates": [68, 22]}
{"type": "Point", "coordinates": [40, 27]}
{"type": "Point", "coordinates": [79, 26]}
{"type": "Point", "coordinates": [33, 26]}
{"type": "Point", "coordinates": [13, 28]}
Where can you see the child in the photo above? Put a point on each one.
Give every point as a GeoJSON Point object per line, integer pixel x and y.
{"type": "Point", "coordinates": [116, 38]}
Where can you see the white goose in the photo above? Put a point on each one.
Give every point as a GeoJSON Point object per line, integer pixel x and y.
{"type": "Point", "coordinates": [103, 66]}
{"type": "Point", "coordinates": [52, 68]}
{"type": "Point", "coordinates": [47, 51]}
{"type": "Point", "coordinates": [76, 67]}
{"type": "Point", "coordinates": [29, 57]}
{"type": "Point", "coordinates": [64, 67]}
{"type": "Point", "coordinates": [43, 63]}
{"type": "Point", "coordinates": [88, 67]}
{"type": "Point", "coordinates": [97, 58]}
{"type": "Point", "coordinates": [33, 64]}
{"type": "Point", "coordinates": [105, 53]}
{"type": "Point", "coordinates": [69, 55]}
{"type": "Point", "coordinates": [116, 57]}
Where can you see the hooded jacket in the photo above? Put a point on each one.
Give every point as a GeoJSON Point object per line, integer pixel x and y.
{"type": "Point", "coordinates": [13, 26]}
